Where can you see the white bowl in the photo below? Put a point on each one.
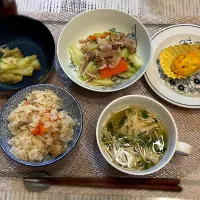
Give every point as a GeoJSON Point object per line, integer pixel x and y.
{"type": "Point", "coordinates": [151, 105]}
{"type": "Point", "coordinates": [100, 20]}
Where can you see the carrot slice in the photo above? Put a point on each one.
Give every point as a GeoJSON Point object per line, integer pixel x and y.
{"type": "Point", "coordinates": [35, 131]}
{"type": "Point", "coordinates": [108, 72]}
{"type": "Point", "coordinates": [49, 118]}
{"type": "Point", "coordinates": [104, 35]}
{"type": "Point", "coordinates": [39, 130]}
{"type": "Point", "coordinates": [94, 37]}
{"type": "Point", "coordinates": [42, 129]}
{"type": "Point", "coordinates": [26, 103]}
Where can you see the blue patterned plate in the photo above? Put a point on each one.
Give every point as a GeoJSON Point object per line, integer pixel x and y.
{"type": "Point", "coordinates": [70, 105]}
{"type": "Point", "coordinates": [100, 20]}
{"type": "Point", "coordinates": [183, 92]}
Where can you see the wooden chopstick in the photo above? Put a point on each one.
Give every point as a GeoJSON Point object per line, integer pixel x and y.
{"type": "Point", "coordinates": [125, 183]}
{"type": "Point", "coordinates": [145, 181]}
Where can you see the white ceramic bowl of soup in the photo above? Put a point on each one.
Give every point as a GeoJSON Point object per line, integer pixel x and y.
{"type": "Point", "coordinates": [100, 20]}
{"type": "Point", "coordinates": [173, 145]}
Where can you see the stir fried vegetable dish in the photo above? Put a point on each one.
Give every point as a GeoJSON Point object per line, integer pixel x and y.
{"type": "Point", "coordinates": [104, 57]}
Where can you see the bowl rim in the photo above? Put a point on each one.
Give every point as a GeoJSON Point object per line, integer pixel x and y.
{"type": "Point", "coordinates": [37, 164]}
{"type": "Point", "coordinates": [136, 173]}
{"type": "Point", "coordinates": [50, 67]}
{"type": "Point", "coordinates": [113, 10]}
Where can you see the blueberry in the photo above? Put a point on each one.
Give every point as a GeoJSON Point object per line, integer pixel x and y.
{"type": "Point", "coordinates": [158, 61]}
{"type": "Point", "coordinates": [172, 82]}
{"type": "Point", "coordinates": [196, 81]}
{"type": "Point", "coordinates": [181, 87]}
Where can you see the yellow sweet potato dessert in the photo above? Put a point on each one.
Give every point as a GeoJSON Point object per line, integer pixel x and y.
{"type": "Point", "coordinates": [171, 60]}
{"type": "Point", "coordinates": [186, 64]}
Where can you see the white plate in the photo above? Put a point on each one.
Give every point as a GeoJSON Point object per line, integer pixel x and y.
{"type": "Point", "coordinates": [189, 96]}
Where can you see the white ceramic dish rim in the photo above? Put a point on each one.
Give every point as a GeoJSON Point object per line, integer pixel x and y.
{"type": "Point", "coordinates": [152, 86]}
{"type": "Point", "coordinates": [115, 89]}
{"type": "Point", "coordinates": [138, 173]}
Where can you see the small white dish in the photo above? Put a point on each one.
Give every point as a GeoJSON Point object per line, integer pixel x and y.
{"type": "Point", "coordinates": [164, 115]}
{"type": "Point", "coordinates": [100, 20]}
{"type": "Point", "coordinates": [184, 92]}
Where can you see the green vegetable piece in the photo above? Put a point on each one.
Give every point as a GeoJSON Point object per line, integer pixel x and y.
{"type": "Point", "coordinates": [13, 65]}
{"type": "Point", "coordinates": [126, 140]}
{"type": "Point", "coordinates": [144, 114]}
{"type": "Point", "coordinates": [4, 67]}
{"type": "Point", "coordinates": [28, 71]}
{"type": "Point", "coordinates": [84, 77]}
{"type": "Point", "coordinates": [123, 52]}
{"type": "Point", "coordinates": [10, 60]}
{"type": "Point", "coordinates": [36, 65]}
{"type": "Point", "coordinates": [112, 33]}
{"type": "Point", "coordinates": [98, 34]}
{"type": "Point", "coordinates": [131, 67]}
{"type": "Point", "coordinates": [146, 165]}
{"type": "Point", "coordinates": [102, 82]}
{"type": "Point", "coordinates": [118, 121]}
{"type": "Point", "coordinates": [109, 126]}
{"type": "Point", "coordinates": [10, 78]}
{"type": "Point", "coordinates": [92, 68]}
{"type": "Point", "coordinates": [126, 56]}
{"type": "Point", "coordinates": [10, 63]}
{"type": "Point", "coordinates": [125, 75]}
{"type": "Point", "coordinates": [11, 53]}
{"type": "Point", "coordinates": [119, 135]}
{"type": "Point", "coordinates": [76, 55]}
{"type": "Point", "coordinates": [135, 59]}
{"type": "Point", "coordinates": [92, 46]}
